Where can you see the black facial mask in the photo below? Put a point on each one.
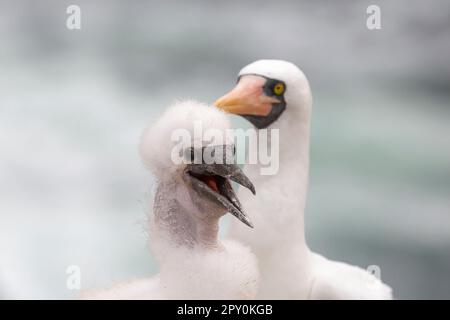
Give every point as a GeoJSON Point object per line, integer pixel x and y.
{"type": "Point", "coordinates": [262, 122]}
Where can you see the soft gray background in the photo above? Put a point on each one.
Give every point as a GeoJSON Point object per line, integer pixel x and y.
{"type": "Point", "coordinates": [73, 104]}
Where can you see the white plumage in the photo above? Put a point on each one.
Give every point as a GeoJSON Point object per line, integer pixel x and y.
{"type": "Point", "coordinates": [289, 270]}
{"type": "Point", "coordinates": [193, 263]}
{"type": "Point", "coordinates": [224, 274]}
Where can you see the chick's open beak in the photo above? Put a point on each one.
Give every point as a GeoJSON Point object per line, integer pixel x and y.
{"type": "Point", "coordinates": [213, 182]}
{"type": "Point", "coordinates": [247, 98]}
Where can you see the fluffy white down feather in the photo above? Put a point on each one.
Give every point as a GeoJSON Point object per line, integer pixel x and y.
{"type": "Point", "coordinates": [194, 274]}
{"type": "Point", "coordinates": [156, 142]}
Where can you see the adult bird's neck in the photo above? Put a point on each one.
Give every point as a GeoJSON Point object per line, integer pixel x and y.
{"type": "Point", "coordinates": [281, 197]}
{"type": "Point", "coordinates": [293, 141]}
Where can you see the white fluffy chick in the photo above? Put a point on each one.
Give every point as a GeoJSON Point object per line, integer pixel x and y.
{"type": "Point", "coordinates": [190, 199]}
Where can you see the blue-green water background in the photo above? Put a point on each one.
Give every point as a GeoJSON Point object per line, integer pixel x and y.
{"type": "Point", "coordinates": [73, 104]}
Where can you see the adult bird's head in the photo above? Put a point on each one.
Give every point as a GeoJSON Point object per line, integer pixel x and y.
{"type": "Point", "coordinates": [190, 154]}
{"type": "Point", "coordinates": [267, 90]}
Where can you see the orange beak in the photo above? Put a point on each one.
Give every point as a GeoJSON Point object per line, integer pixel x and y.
{"type": "Point", "coordinates": [247, 98]}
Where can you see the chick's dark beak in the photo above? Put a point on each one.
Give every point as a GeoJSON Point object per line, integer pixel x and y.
{"type": "Point", "coordinates": [212, 181]}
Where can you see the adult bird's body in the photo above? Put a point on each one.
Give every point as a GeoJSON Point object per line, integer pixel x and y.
{"type": "Point", "coordinates": [275, 95]}
{"type": "Point", "coordinates": [191, 196]}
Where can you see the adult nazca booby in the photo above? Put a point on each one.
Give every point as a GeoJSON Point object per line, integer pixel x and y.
{"type": "Point", "coordinates": [275, 95]}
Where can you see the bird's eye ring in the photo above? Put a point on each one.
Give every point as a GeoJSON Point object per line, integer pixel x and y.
{"type": "Point", "coordinates": [278, 89]}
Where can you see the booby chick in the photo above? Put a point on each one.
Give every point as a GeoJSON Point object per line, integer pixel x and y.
{"type": "Point", "coordinates": [192, 194]}
{"type": "Point", "coordinates": [275, 94]}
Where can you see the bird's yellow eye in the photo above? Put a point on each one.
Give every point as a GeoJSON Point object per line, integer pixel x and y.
{"type": "Point", "coordinates": [278, 89]}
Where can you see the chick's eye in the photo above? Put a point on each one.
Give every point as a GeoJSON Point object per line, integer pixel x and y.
{"type": "Point", "coordinates": [278, 89]}
{"type": "Point", "coordinates": [189, 154]}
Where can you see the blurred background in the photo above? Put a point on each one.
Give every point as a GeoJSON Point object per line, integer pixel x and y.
{"type": "Point", "coordinates": [73, 104]}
